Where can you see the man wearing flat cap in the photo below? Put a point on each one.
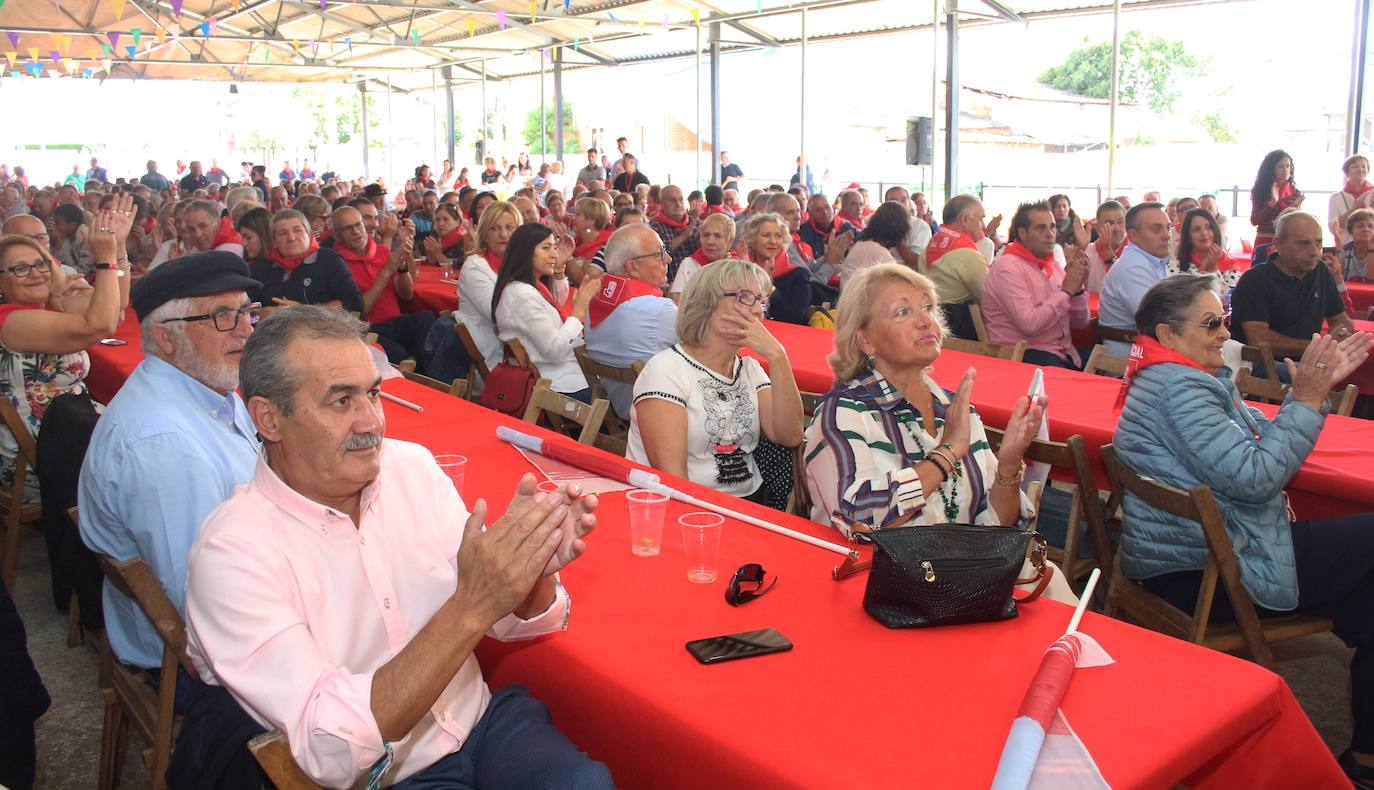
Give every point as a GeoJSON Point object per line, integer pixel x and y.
{"type": "Point", "coordinates": [175, 440]}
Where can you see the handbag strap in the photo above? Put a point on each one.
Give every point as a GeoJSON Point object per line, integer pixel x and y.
{"type": "Point", "coordinates": [1043, 570]}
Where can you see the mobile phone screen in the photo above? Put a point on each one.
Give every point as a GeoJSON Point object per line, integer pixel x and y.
{"type": "Point", "coordinates": [746, 644]}
{"type": "Point", "coordinates": [113, 341]}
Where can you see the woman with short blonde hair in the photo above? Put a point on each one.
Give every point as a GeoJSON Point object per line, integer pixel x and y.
{"type": "Point", "coordinates": [715, 236]}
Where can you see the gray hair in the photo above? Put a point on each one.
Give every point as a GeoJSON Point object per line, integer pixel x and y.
{"type": "Point", "coordinates": [1169, 301]}
{"type": "Point", "coordinates": [621, 247]}
{"type": "Point", "coordinates": [203, 206]}
{"type": "Point", "coordinates": [173, 308]}
{"type": "Point", "coordinates": [957, 207]}
{"type": "Point", "coordinates": [776, 199]}
{"type": "Point", "coordinates": [756, 221]}
{"type": "Point", "coordinates": [290, 213]}
{"type": "Point", "coordinates": [706, 287]}
{"type": "Point", "coordinates": [265, 369]}
{"type": "Point", "coordinates": [1287, 216]}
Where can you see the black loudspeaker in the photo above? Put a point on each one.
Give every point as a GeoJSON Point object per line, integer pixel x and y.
{"type": "Point", "coordinates": [919, 141]}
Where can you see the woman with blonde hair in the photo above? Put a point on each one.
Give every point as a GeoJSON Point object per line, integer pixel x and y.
{"type": "Point", "coordinates": [887, 443]}
{"type": "Point", "coordinates": [477, 278]}
{"type": "Point", "coordinates": [701, 409]}
{"type": "Point", "coordinates": [591, 228]}
{"type": "Point", "coordinates": [715, 236]}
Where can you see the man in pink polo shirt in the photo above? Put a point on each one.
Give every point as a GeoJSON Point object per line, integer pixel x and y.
{"type": "Point", "coordinates": [339, 595]}
{"type": "Point", "coordinates": [1028, 296]}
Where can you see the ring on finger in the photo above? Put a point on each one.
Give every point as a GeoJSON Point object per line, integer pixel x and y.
{"type": "Point", "coordinates": [1321, 366]}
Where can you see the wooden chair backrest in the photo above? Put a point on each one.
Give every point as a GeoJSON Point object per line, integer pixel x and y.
{"type": "Point", "coordinates": [458, 388]}
{"type": "Point", "coordinates": [975, 314]}
{"type": "Point", "coordinates": [12, 501]}
{"type": "Point", "coordinates": [595, 371]}
{"type": "Point", "coordinates": [557, 407]}
{"type": "Point", "coordinates": [1112, 333]}
{"type": "Point", "coordinates": [28, 447]}
{"type": "Point", "coordinates": [1013, 353]}
{"type": "Point", "coordinates": [1251, 387]}
{"type": "Point", "coordinates": [135, 579]}
{"type": "Point", "coordinates": [1261, 354]}
{"type": "Point", "coordinates": [477, 362]}
{"type": "Point", "coordinates": [1100, 363]}
{"type": "Point", "coordinates": [273, 753]}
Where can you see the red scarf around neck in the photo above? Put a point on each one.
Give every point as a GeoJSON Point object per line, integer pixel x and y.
{"type": "Point", "coordinates": [615, 291]}
{"type": "Point", "coordinates": [1020, 250]}
{"type": "Point", "coordinates": [710, 209]}
{"type": "Point", "coordinates": [858, 223]}
{"type": "Point", "coordinates": [1353, 192]}
{"type": "Point", "coordinates": [374, 254]}
{"type": "Point", "coordinates": [805, 249]}
{"type": "Point", "coordinates": [226, 234]}
{"type": "Point", "coordinates": [835, 224]}
{"type": "Point", "coordinates": [290, 264]}
{"type": "Point", "coordinates": [1146, 352]}
{"type": "Point", "coordinates": [777, 267]}
{"type": "Point", "coordinates": [676, 225]}
{"type": "Point", "coordinates": [493, 260]}
{"type": "Point", "coordinates": [563, 309]}
{"type": "Point", "coordinates": [589, 250]}
{"type": "Point", "coordinates": [1199, 256]}
{"type": "Point", "coordinates": [945, 240]}
{"type": "Point", "coordinates": [700, 256]}
{"type": "Point", "coordinates": [453, 238]}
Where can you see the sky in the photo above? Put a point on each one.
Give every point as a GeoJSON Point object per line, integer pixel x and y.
{"type": "Point", "coordinates": [857, 92]}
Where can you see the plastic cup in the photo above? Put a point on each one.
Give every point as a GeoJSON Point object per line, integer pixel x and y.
{"type": "Point", "coordinates": [446, 268]}
{"type": "Point", "coordinates": [455, 466]}
{"type": "Point", "coordinates": [701, 538]}
{"type": "Point", "coordinates": [646, 521]}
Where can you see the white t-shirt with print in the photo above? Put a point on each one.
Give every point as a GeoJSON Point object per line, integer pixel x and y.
{"type": "Point", "coordinates": [722, 417]}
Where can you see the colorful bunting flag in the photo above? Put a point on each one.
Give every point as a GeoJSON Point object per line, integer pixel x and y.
{"type": "Point", "coordinates": [56, 58]}
{"type": "Point", "coordinates": [205, 29]}
{"type": "Point", "coordinates": [14, 39]}
{"type": "Point", "coordinates": [105, 49]}
{"type": "Point", "coordinates": [107, 64]}
{"type": "Point", "coordinates": [296, 44]}
{"type": "Point", "coordinates": [323, 3]}
{"type": "Point", "coordinates": [472, 26]}
{"type": "Point", "coordinates": [415, 36]}
{"type": "Point", "coordinates": [138, 35]}
{"type": "Point", "coordinates": [501, 20]}
{"type": "Point", "coordinates": [696, 15]}
{"type": "Point", "coordinates": [118, 6]}
{"type": "Point", "coordinates": [35, 69]}
{"type": "Point", "coordinates": [64, 43]}
{"type": "Point", "coordinates": [577, 44]}
{"type": "Point", "coordinates": [70, 65]}
{"type": "Point", "coordinates": [161, 36]}
{"type": "Point", "coordinates": [12, 57]}
{"type": "Point", "coordinates": [176, 8]}
{"type": "Point", "coordinates": [113, 35]}
{"type": "Point", "coordinates": [349, 41]}
{"type": "Point", "coordinates": [235, 4]}
{"type": "Point", "coordinates": [133, 51]}
{"type": "Point", "coordinates": [532, 19]}
{"type": "Point", "coordinates": [88, 73]}
{"type": "Point", "coordinates": [567, 6]}
{"type": "Point", "coordinates": [33, 53]}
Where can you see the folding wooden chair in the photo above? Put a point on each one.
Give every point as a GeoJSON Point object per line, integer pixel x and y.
{"type": "Point", "coordinates": [1100, 363]}
{"type": "Point", "coordinates": [458, 388]}
{"type": "Point", "coordinates": [1261, 354]}
{"type": "Point", "coordinates": [799, 501]}
{"type": "Point", "coordinates": [16, 513]}
{"type": "Point", "coordinates": [130, 698]}
{"type": "Point", "coordinates": [1071, 456]}
{"type": "Point", "coordinates": [477, 363]}
{"type": "Point", "coordinates": [1013, 353]}
{"type": "Point", "coordinates": [558, 409]}
{"type": "Point", "coordinates": [615, 435]}
{"type": "Point", "coordinates": [1132, 599]}
{"type": "Point", "coordinates": [273, 753]}
{"type": "Point", "coordinates": [1112, 333]}
{"type": "Point", "coordinates": [1341, 402]}
{"type": "Point", "coordinates": [975, 314]}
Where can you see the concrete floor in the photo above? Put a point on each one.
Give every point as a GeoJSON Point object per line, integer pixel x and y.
{"type": "Point", "coordinates": [1316, 667]}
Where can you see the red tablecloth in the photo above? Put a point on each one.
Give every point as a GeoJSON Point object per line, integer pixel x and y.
{"type": "Point", "coordinates": [432, 292]}
{"type": "Point", "coordinates": [1362, 294]}
{"type": "Point", "coordinates": [854, 704]}
{"type": "Point", "coordinates": [1363, 378]}
{"type": "Point", "coordinates": [1082, 404]}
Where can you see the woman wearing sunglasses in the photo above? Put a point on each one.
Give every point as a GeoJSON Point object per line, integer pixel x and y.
{"type": "Point", "coordinates": [48, 320]}
{"type": "Point", "coordinates": [701, 410]}
{"type": "Point", "coordinates": [1184, 424]}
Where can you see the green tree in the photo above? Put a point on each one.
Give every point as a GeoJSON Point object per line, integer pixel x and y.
{"type": "Point", "coordinates": [1152, 71]}
{"type": "Point", "coordinates": [532, 127]}
{"type": "Point", "coordinates": [1216, 127]}
{"type": "Point", "coordinates": [457, 126]}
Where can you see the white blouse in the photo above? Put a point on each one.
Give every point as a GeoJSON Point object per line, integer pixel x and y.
{"type": "Point", "coordinates": [476, 285]}
{"type": "Point", "coordinates": [526, 315]}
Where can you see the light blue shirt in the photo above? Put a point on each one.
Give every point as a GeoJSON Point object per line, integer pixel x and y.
{"type": "Point", "coordinates": [633, 332]}
{"type": "Point", "coordinates": [1125, 285]}
{"type": "Point", "coordinates": [166, 452]}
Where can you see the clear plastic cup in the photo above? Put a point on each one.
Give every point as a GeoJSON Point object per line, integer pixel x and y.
{"type": "Point", "coordinates": [701, 539]}
{"type": "Point", "coordinates": [447, 266]}
{"type": "Point", "coordinates": [646, 521]}
{"type": "Point", "coordinates": [455, 466]}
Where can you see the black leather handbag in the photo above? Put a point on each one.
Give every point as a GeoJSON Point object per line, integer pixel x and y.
{"type": "Point", "coordinates": [950, 574]}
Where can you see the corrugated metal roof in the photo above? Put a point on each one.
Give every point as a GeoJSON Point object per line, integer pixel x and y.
{"type": "Point", "coordinates": [403, 40]}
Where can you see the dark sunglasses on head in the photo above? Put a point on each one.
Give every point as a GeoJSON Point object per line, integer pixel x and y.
{"type": "Point", "coordinates": [747, 584]}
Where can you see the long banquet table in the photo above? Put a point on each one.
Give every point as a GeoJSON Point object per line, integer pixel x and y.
{"type": "Point", "coordinates": [854, 704]}
{"type": "Point", "coordinates": [1362, 295]}
{"type": "Point", "coordinates": [1337, 478]}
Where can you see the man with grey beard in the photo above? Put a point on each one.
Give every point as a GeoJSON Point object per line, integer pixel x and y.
{"type": "Point", "coordinates": [175, 440]}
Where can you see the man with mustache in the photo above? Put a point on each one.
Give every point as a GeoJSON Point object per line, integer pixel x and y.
{"type": "Point", "coordinates": [176, 440]}
{"type": "Point", "coordinates": [339, 595]}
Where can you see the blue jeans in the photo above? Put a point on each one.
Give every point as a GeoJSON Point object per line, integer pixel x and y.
{"type": "Point", "coordinates": [1046, 359]}
{"type": "Point", "coordinates": [514, 745]}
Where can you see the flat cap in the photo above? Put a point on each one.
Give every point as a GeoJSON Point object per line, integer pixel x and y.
{"type": "Point", "coordinates": [198, 274]}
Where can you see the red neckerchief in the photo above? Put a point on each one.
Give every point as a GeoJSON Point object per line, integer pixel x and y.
{"type": "Point", "coordinates": [226, 234]}
{"type": "Point", "coordinates": [1286, 192]}
{"type": "Point", "coordinates": [563, 309]}
{"type": "Point", "coordinates": [777, 267]}
{"type": "Point", "coordinates": [374, 254]}
{"type": "Point", "coordinates": [806, 252]}
{"type": "Point", "coordinates": [1199, 256]}
{"type": "Point", "coordinates": [615, 291]}
{"type": "Point", "coordinates": [589, 250]}
{"type": "Point", "coordinates": [948, 238]}
{"type": "Point", "coordinates": [493, 260]}
{"type": "Point", "coordinates": [1102, 250]}
{"type": "Point", "coordinates": [676, 225]}
{"type": "Point", "coordinates": [453, 238]}
{"type": "Point", "coordinates": [710, 209]}
{"type": "Point", "coordinates": [290, 264]}
{"type": "Point", "coordinates": [700, 256]}
{"type": "Point", "coordinates": [1018, 249]}
{"type": "Point", "coordinates": [858, 223]}
{"type": "Point", "coordinates": [836, 224]}
{"type": "Point", "coordinates": [1353, 192]}
{"type": "Point", "coordinates": [1146, 352]}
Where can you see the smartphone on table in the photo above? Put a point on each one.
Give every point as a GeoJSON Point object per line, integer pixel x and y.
{"type": "Point", "coordinates": [746, 644]}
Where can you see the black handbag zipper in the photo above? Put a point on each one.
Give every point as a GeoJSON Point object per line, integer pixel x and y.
{"type": "Point", "coordinates": [958, 565]}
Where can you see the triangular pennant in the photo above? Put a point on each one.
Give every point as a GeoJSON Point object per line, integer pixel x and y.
{"type": "Point", "coordinates": [107, 64]}
{"type": "Point", "coordinates": [113, 35]}
{"type": "Point", "coordinates": [577, 42]}
{"type": "Point", "coordinates": [133, 51]}
{"type": "Point", "coordinates": [266, 55]}
{"type": "Point", "coordinates": [696, 15]}
{"type": "Point", "coordinates": [138, 35]}
{"type": "Point", "coordinates": [35, 69]}
{"type": "Point", "coordinates": [501, 20]}
{"type": "Point", "coordinates": [118, 6]}
{"type": "Point", "coordinates": [567, 6]}
{"type": "Point", "coordinates": [12, 57]}
{"type": "Point", "coordinates": [69, 64]}
{"type": "Point", "coordinates": [349, 41]}
{"type": "Point", "coordinates": [295, 43]}
{"type": "Point", "coordinates": [56, 57]}
{"type": "Point", "coordinates": [472, 26]}
{"type": "Point", "coordinates": [665, 22]}
{"type": "Point", "coordinates": [64, 43]}
{"type": "Point", "coordinates": [532, 20]}
{"type": "Point", "coordinates": [105, 49]}
{"type": "Point", "coordinates": [323, 3]}
{"type": "Point", "coordinates": [88, 73]}
{"type": "Point", "coordinates": [33, 53]}
{"type": "Point", "coordinates": [176, 8]}
{"type": "Point", "coordinates": [314, 47]}
{"type": "Point", "coordinates": [415, 36]}
{"type": "Point", "coordinates": [205, 29]}
{"type": "Point", "coordinates": [14, 39]}
{"type": "Point", "coordinates": [641, 23]}
{"type": "Point", "coordinates": [235, 4]}
{"type": "Point", "coordinates": [161, 37]}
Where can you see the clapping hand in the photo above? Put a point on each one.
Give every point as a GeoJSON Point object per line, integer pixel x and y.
{"type": "Point", "coordinates": [956, 432]}
{"type": "Point", "coordinates": [1024, 424]}
{"type": "Point", "coordinates": [579, 522]}
{"type": "Point", "coordinates": [101, 236]}
{"type": "Point", "coordinates": [1325, 363]}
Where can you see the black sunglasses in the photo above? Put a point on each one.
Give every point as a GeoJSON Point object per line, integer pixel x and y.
{"type": "Point", "coordinates": [749, 576]}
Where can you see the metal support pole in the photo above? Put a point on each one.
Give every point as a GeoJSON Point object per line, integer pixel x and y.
{"type": "Point", "coordinates": [801, 171]}
{"type": "Point", "coordinates": [715, 103]}
{"type": "Point", "coordinates": [482, 122]}
{"type": "Point", "coordinates": [934, 106]}
{"type": "Point", "coordinates": [543, 111]}
{"type": "Point", "coordinates": [390, 162]}
{"type": "Point", "coordinates": [362, 99]}
{"type": "Point", "coordinates": [434, 111]}
{"type": "Point", "coordinates": [697, 130]}
{"type": "Point", "coordinates": [952, 99]}
{"type": "Point", "coordinates": [448, 124]}
{"type": "Point", "coordinates": [558, 102]}
{"type": "Point", "coordinates": [1116, 77]}
{"type": "Point", "coordinates": [1354, 117]}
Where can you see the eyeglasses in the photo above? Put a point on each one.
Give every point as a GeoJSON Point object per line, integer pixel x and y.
{"type": "Point", "coordinates": [658, 253]}
{"type": "Point", "coordinates": [748, 298]}
{"type": "Point", "coordinates": [747, 584]}
{"type": "Point", "coordinates": [25, 269]}
{"type": "Point", "coordinates": [1213, 324]}
{"type": "Point", "coordinates": [227, 319]}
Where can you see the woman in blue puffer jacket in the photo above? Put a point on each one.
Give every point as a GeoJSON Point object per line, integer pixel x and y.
{"type": "Point", "coordinates": [1183, 423]}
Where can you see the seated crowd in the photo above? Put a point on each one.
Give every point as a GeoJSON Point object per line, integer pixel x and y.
{"type": "Point", "coordinates": [254, 301]}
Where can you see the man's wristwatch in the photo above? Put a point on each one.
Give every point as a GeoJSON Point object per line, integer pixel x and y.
{"type": "Point", "coordinates": [118, 271]}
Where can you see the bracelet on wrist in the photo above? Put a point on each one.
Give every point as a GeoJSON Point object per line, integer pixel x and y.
{"type": "Point", "coordinates": [945, 454]}
{"type": "Point", "coordinates": [1015, 479]}
{"type": "Point", "coordinates": [939, 467]}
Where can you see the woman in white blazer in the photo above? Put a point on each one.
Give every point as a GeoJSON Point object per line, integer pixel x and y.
{"type": "Point", "coordinates": [532, 302]}
{"type": "Point", "coordinates": [477, 277]}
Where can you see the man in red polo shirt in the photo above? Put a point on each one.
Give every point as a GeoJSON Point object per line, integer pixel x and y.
{"type": "Point", "coordinates": [384, 276]}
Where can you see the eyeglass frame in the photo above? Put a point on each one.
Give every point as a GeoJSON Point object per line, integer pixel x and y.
{"type": "Point", "coordinates": [29, 268]}
{"type": "Point", "coordinates": [661, 252]}
{"type": "Point", "coordinates": [1214, 324]}
{"type": "Point", "coordinates": [238, 313]}
{"type": "Point", "coordinates": [756, 299]}
{"type": "Point", "coordinates": [737, 597]}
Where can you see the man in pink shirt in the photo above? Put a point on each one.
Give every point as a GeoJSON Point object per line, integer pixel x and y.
{"type": "Point", "coordinates": [338, 596]}
{"type": "Point", "coordinates": [1028, 296]}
